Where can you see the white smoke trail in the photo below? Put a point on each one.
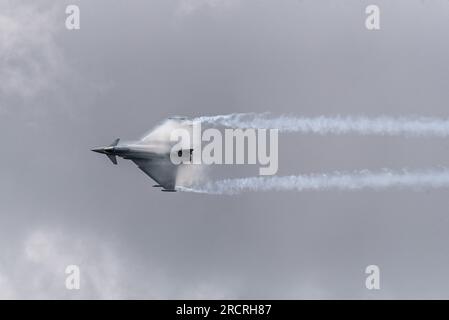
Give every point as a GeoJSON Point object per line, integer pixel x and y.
{"type": "Point", "coordinates": [383, 125]}
{"type": "Point", "coordinates": [319, 182]}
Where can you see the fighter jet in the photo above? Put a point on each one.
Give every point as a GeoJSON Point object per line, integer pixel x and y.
{"type": "Point", "coordinates": [152, 153]}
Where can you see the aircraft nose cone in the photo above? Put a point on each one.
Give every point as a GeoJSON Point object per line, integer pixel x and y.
{"type": "Point", "coordinates": [99, 150]}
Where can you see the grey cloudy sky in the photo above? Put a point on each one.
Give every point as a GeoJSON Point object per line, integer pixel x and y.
{"type": "Point", "coordinates": [134, 63]}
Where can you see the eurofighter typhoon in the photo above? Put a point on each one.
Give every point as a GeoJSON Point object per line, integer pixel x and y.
{"type": "Point", "coordinates": [152, 153]}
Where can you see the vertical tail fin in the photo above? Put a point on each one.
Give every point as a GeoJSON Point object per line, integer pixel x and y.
{"type": "Point", "coordinates": [116, 141]}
